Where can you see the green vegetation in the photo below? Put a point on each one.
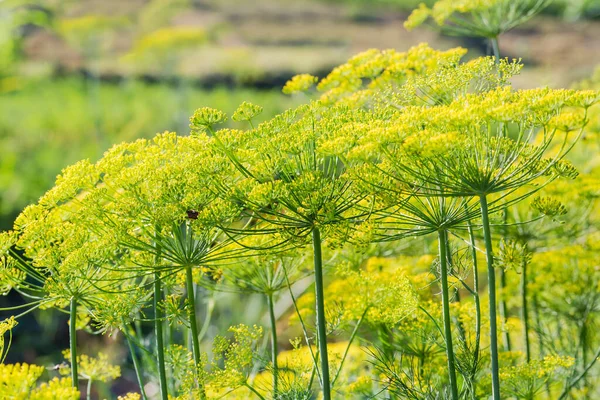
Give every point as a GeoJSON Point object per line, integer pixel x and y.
{"type": "Point", "coordinates": [410, 225]}
{"type": "Point", "coordinates": [68, 125]}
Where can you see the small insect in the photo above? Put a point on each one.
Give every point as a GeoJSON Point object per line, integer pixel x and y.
{"type": "Point", "coordinates": [59, 366]}
{"type": "Point", "coordinates": [192, 214]}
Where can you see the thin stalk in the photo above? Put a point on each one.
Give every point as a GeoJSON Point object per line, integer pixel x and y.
{"type": "Point", "coordinates": [538, 326]}
{"type": "Point", "coordinates": [158, 330]}
{"type": "Point", "coordinates": [89, 390]}
{"type": "Point", "coordinates": [579, 377]}
{"type": "Point", "coordinates": [136, 365]}
{"type": "Point", "coordinates": [321, 324]}
{"type": "Point", "coordinates": [525, 312]}
{"type": "Point", "coordinates": [303, 325]}
{"type": "Point", "coordinates": [487, 236]}
{"type": "Point", "coordinates": [274, 349]}
{"type": "Point", "coordinates": [209, 311]}
{"type": "Point", "coordinates": [476, 298]}
{"type": "Point", "coordinates": [386, 337]}
{"type": "Point", "coordinates": [540, 336]}
{"type": "Point", "coordinates": [503, 309]}
{"type": "Point", "coordinates": [583, 340]}
{"type": "Point", "coordinates": [73, 342]}
{"type": "Point", "coordinates": [495, 48]}
{"type": "Point", "coordinates": [260, 396]}
{"type": "Point", "coordinates": [189, 281]}
{"type": "Point", "coordinates": [167, 342]}
{"type": "Point", "coordinates": [446, 311]}
{"type": "Point", "coordinates": [350, 341]}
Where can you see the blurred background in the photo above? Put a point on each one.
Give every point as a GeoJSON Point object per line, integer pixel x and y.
{"type": "Point", "coordinates": [77, 76]}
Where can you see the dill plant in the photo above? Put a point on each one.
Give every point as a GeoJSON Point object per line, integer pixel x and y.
{"type": "Point", "coordinates": [475, 18]}
{"type": "Point", "coordinates": [503, 175]}
{"type": "Point", "coordinates": [473, 153]}
{"type": "Point", "coordinates": [289, 186]}
{"type": "Point", "coordinates": [489, 162]}
{"type": "Point", "coordinates": [61, 266]}
{"type": "Point", "coordinates": [397, 146]}
{"type": "Point", "coordinates": [138, 230]}
{"type": "Point", "coordinates": [167, 226]}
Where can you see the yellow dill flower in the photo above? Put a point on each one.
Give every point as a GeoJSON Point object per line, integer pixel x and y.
{"type": "Point", "coordinates": [527, 379]}
{"type": "Point", "coordinates": [485, 18]}
{"type": "Point", "coordinates": [299, 83]}
{"type": "Point", "coordinates": [384, 297]}
{"type": "Point", "coordinates": [549, 206]}
{"type": "Point", "coordinates": [234, 358]}
{"type": "Point", "coordinates": [94, 369]}
{"type": "Point", "coordinates": [130, 396]}
{"type": "Point", "coordinates": [5, 326]}
{"type": "Point", "coordinates": [417, 17]}
{"type": "Point", "coordinates": [55, 389]}
{"type": "Point", "coordinates": [205, 118]}
{"type": "Point", "coordinates": [246, 111]}
{"type": "Point", "coordinates": [18, 380]}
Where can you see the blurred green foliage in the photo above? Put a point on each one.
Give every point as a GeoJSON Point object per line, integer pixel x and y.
{"type": "Point", "coordinates": [49, 124]}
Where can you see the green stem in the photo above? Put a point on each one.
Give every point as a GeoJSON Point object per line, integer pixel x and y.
{"type": "Point", "coordinates": [73, 342]}
{"type": "Point", "coordinates": [350, 341]}
{"type": "Point", "coordinates": [504, 311]}
{"type": "Point", "coordinates": [495, 48]}
{"type": "Point", "coordinates": [274, 350]}
{"type": "Point", "coordinates": [503, 308]}
{"type": "Point", "coordinates": [446, 312]}
{"type": "Point", "coordinates": [538, 326]}
{"type": "Point", "coordinates": [158, 331]}
{"type": "Point", "coordinates": [136, 364]}
{"type": "Point", "coordinates": [525, 312]}
{"type": "Point", "coordinates": [303, 325]}
{"type": "Point", "coordinates": [189, 281]}
{"type": "Point", "coordinates": [487, 236]}
{"type": "Point", "coordinates": [321, 324]}
{"type": "Point", "coordinates": [477, 302]}
{"type": "Point", "coordinates": [584, 344]}
{"type": "Point", "coordinates": [167, 342]}
{"type": "Point", "coordinates": [260, 396]}
{"type": "Point", "coordinates": [89, 390]}
{"type": "Point", "coordinates": [579, 377]}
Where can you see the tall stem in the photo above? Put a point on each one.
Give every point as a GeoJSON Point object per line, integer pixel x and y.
{"type": "Point", "coordinates": [189, 281]}
{"type": "Point", "coordinates": [487, 236]}
{"type": "Point", "coordinates": [477, 300]}
{"type": "Point", "coordinates": [584, 344]}
{"type": "Point", "coordinates": [525, 312]}
{"type": "Point", "coordinates": [73, 342]}
{"type": "Point", "coordinates": [158, 331]}
{"type": "Point", "coordinates": [136, 363]}
{"type": "Point", "coordinates": [504, 311]}
{"type": "Point", "coordinates": [274, 349]}
{"type": "Point", "coordinates": [538, 326]}
{"type": "Point", "coordinates": [446, 311]}
{"type": "Point", "coordinates": [321, 324]}
{"type": "Point", "coordinates": [495, 48]}
{"type": "Point", "coordinates": [89, 390]}
{"type": "Point", "coordinates": [503, 308]}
